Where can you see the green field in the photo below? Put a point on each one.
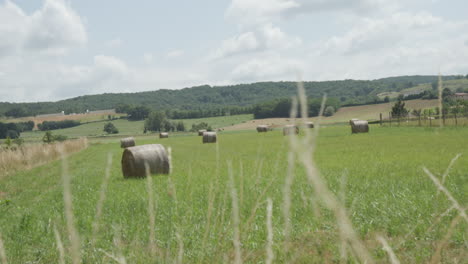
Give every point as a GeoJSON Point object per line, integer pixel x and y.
{"type": "Point", "coordinates": [126, 127]}
{"type": "Point", "coordinates": [385, 192]}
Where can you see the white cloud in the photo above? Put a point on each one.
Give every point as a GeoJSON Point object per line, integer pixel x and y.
{"type": "Point", "coordinates": [53, 29]}
{"type": "Point", "coordinates": [175, 53]}
{"type": "Point", "coordinates": [371, 34]}
{"type": "Point", "coordinates": [243, 43]}
{"type": "Point", "coordinates": [269, 67]}
{"type": "Point", "coordinates": [248, 12]}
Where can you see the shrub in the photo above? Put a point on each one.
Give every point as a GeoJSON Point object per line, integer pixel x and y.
{"type": "Point", "coordinates": [329, 111]}
{"type": "Point", "coordinates": [200, 126]}
{"type": "Point", "coordinates": [52, 125]}
{"type": "Point", "coordinates": [109, 128]}
{"type": "Point", "coordinates": [49, 137]}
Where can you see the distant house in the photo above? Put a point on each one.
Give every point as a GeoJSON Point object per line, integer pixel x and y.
{"type": "Point", "coordinates": [461, 96]}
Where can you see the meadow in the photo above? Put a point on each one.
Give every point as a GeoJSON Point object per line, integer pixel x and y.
{"type": "Point", "coordinates": [215, 205]}
{"type": "Point", "coordinates": [127, 128]}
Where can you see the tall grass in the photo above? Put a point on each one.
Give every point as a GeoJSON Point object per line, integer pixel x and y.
{"type": "Point", "coordinates": [214, 218]}
{"type": "Point", "coordinates": [29, 156]}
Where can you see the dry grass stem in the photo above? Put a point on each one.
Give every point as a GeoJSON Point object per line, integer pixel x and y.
{"type": "Point", "coordinates": [440, 88]}
{"type": "Point", "coordinates": [436, 258]}
{"type": "Point", "coordinates": [388, 249]}
{"type": "Point", "coordinates": [235, 217]}
{"type": "Point", "coordinates": [305, 151]}
{"type": "Point", "coordinates": [60, 248]}
{"type": "Point", "coordinates": [269, 246]}
{"type": "Point", "coordinates": [287, 197]}
{"type": "Point", "coordinates": [3, 256]}
{"type": "Point", "coordinates": [447, 171]}
{"type": "Point", "coordinates": [67, 198]}
{"type": "Point", "coordinates": [447, 193]}
{"type": "Point", "coordinates": [151, 214]}
{"type": "Point", "coordinates": [343, 246]}
{"type": "Point", "coordinates": [180, 254]}
{"type": "Point", "coordinates": [102, 198]}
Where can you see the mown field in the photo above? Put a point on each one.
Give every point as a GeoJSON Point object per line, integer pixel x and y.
{"type": "Point", "coordinates": [127, 128]}
{"type": "Point", "coordinates": [378, 177]}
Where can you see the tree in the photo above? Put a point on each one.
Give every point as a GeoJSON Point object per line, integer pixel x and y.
{"type": "Point", "coordinates": [138, 113]}
{"type": "Point", "coordinates": [13, 134]}
{"type": "Point", "coordinates": [386, 99]}
{"type": "Point", "coordinates": [48, 137]}
{"type": "Point", "coordinates": [109, 128]}
{"type": "Point", "coordinates": [16, 112]}
{"type": "Point", "coordinates": [180, 126]}
{"type": "Point", "coordinates": [155, 121]}
{"type": "Point", "coordinates": [329, 111]}
{"type": "Point", "coordinates": [399, 110]}
{"type": "Point", "coordinates": [466, 76]}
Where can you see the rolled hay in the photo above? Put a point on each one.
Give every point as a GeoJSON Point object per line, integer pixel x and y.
{"type": "Point", "coordinates": [360, 126]}
{"type": "Point", "coordinates": [127, 142]}
{"type": "Point", "coordinates": [351, 122]}
{"type": "Point", "coordinates": [209, 137]}
{"type": "Point", "coordinates": [201, 131]}
{"type": "Point", "coordinates": [135, 158]}
{"type": "Point", "coordinates": [309, 124]}
{"type": "Point", "coordinates": [290, 129]}
{"type": "Point", "coordinates": [163, 135]}
{"type": "Point", "coordinates": [262, 128]}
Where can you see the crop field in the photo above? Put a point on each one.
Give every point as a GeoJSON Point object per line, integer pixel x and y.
{"type": "Point", "coordinates": [249, 198]}
{"type": "Point", "coordinates": [91, 117]}
{"type": "Point", "coordinates": [126, 127]}
{"type": "Point", "coordinates": [343, 115]}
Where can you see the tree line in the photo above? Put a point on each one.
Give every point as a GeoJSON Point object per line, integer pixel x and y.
{"type": "Point", "coordinates": [186, 103]}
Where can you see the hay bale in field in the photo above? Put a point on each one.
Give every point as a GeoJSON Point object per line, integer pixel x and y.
{"type": "Point", "coordinates": [360, 126]}
{"type": "Point", "coordinates": [163, 135]}
{"type": "Point", "coordinates": [127, 142]}
{"type": "Point", "coordinates": [309, 124]}
{"type": "Point", "coordinates": [351, 122]}
{"type": "Point", "coordinates": [135, 158]}
{"type": "Point", "coordinates": [290, 129]}
{"type": "Point", "coordinates": [209, 137]}
{"type": "Point", "coordinates": [201, 131]}
{"type": "Point", "coordinates": [262, 128]}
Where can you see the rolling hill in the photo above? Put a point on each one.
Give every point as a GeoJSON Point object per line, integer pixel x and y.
{"type": "Point", "coordinates": [242, 95]}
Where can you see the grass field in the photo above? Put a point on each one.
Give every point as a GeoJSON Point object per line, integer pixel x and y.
{"type": "Point", "coordinates": [343, 115]}
{"type": "Point", "coordinates": [126, 127]}
{"type": "Point", "coordinates": [384, 190]}
{"type": "Point", "coordinates": [83, 118]}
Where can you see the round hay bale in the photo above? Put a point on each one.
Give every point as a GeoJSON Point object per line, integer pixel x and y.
{"type": "Point", "coordinates": [262, 128]}
{"type": "Point", "coordinates": [127, 142]}
{"type": "Point", "coordinates": [163, 135]}
{"type": "Point", "coordinates": [135, 158]}
{"type": "Point", "coordinates": [309, 124]}
{"type": "Point", "coordinates": [209, 137]}
{"type": "Point", "coordinates": [290, 129]}
{"type": "Point", "coordinates": [360, 126]}
{"type": "Point", "coordinates": [201, 131]}
{"type": "Point", "coordinates": [351, 122]}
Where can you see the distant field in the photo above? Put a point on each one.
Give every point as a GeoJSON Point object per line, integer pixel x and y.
{"type": "Point", "coordinates": [378, 177]}
{"type": "Point", "coordinates": [344, 114]}
{"type": "Point", "coordinates": [451, 84]}
{"type": "Point", "coordinates": [126, 127]}
{"type": "Point", "coordinates": [80, 117]}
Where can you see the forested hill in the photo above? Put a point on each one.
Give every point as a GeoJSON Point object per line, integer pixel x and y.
{"type": "Point", "coordinates": [207, 97]}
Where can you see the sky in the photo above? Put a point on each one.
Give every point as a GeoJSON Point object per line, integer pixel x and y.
{"type": "Point", "coordinates": [57, 49]}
